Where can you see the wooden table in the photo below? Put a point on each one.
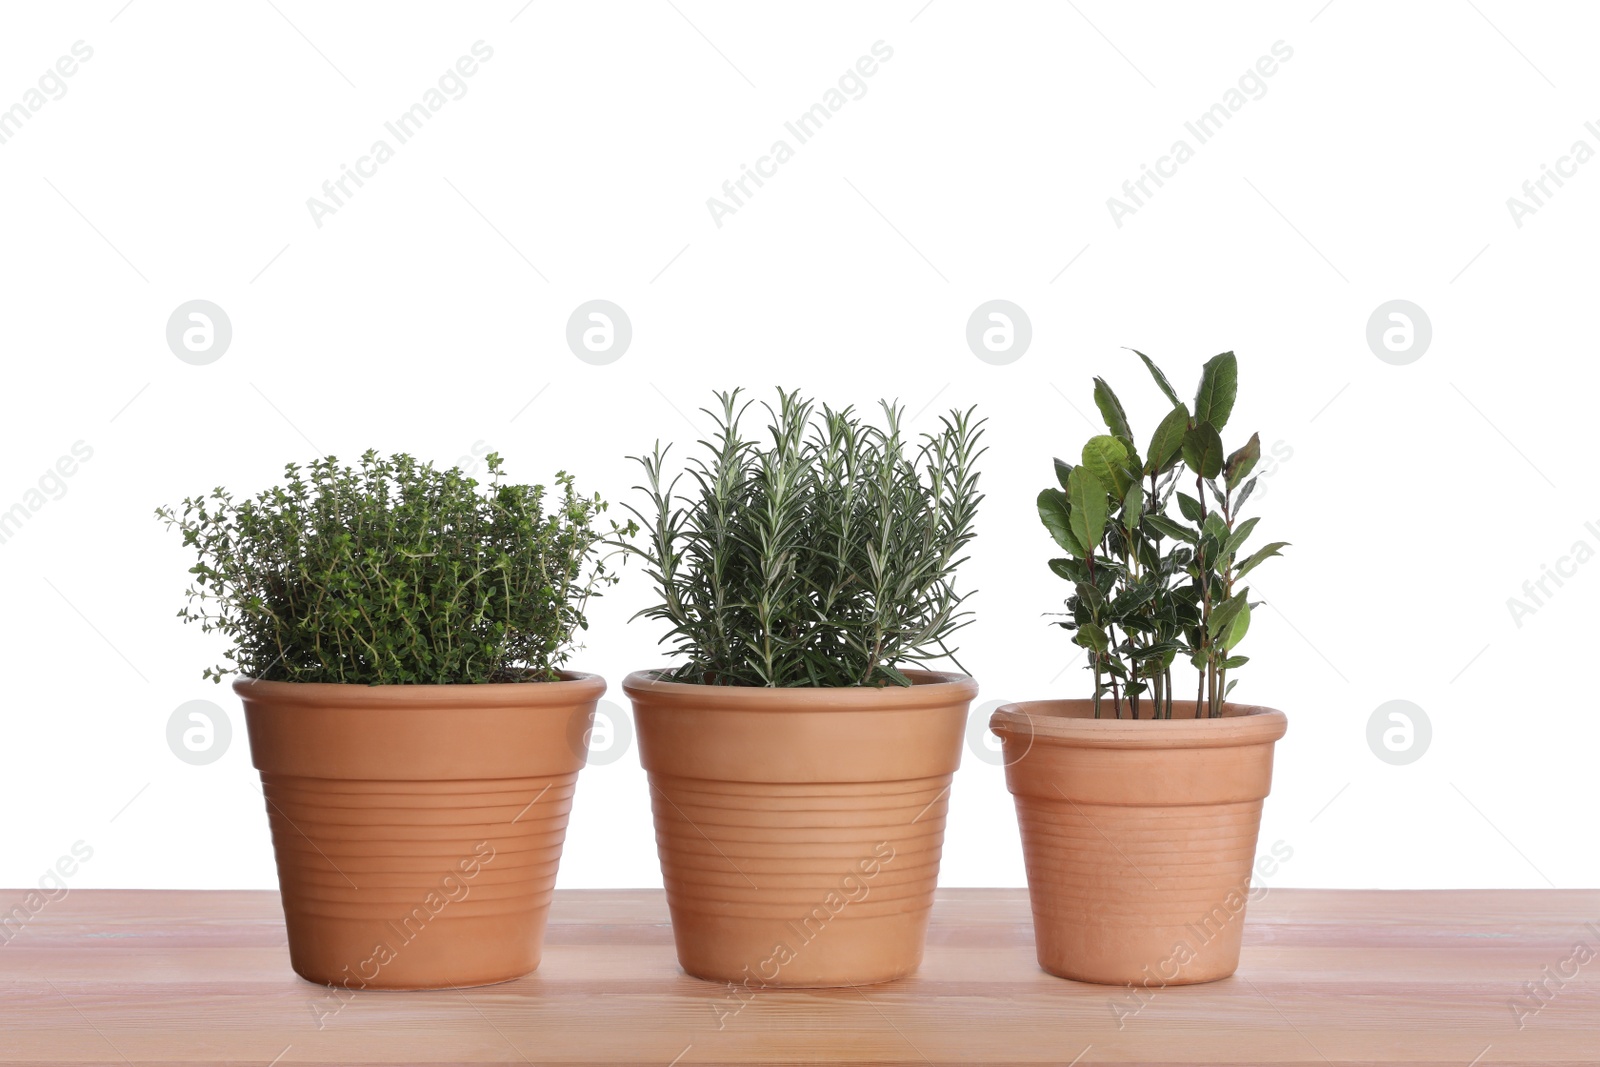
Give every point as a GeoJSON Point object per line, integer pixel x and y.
{"type": "Point", "coordinates": [111, 977]}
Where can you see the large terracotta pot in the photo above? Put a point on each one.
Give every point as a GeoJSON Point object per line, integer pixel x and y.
{"type": "Point", "coordinates": [800, 829]}
{"type": "Point", "coordinates": [417, 828]}
{"type": "Point", "coordinates": [1138, 835]}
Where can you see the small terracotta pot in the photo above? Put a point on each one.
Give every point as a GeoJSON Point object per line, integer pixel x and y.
{"type": "Point", "coordinates": [800, 829]}
{"type": "Point", "coordinates": [417, 828]}
{"type": "Point", "coordinates": [1138, 835]}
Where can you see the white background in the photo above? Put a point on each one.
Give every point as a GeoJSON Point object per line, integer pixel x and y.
{"type": "Point", "coordinates": [428, 314]}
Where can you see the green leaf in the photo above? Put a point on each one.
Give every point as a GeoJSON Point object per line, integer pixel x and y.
{"type": "Point", "coordinates": [1133, 504]}
{"type": "Point", "coordinates": [1202, 450]}
{"type": "Point", "coordinates": [1229, 689]}
{"type": "Point", "coordinates": [1242, 462]}
{"type": "Point", "coordinates": [1125, 607]}
{"type": "Point", "coordinates": [1224, 615]}
{"type": "Point", "coordinates": [1219, 385]}
{"type": "Point", "coordinates": [1063, 469]}
{"type": "Point", "coordinates": [1161, 379]}
{"type": "Point", "coordinates": [1092, 637]}
{"type": "Point", "coordinates": [1234, 661]}
{"type": "Point", "coordinates": [1236, 632]}
{"type": "Point", "coordinates": [894, 674]}
{"type": "Point", "coordinates": [1132, 463]}
{"type": "Point", "coordinates": [1111, 410]}
{"type": "Point", "coordinates": [1167, 442]}
{"type": "Point", "coordinates": [1191, 508]}
{"type": "Point", "coordinates": [1168, 527]}
{"type": "Point", "coordinates": [1259, 556]}
{"type": "Point", "coordinates": [1070, 569]}
{"type": "Point", "coordinates": [1106, 457]}
{"type": "Point", "coordinates": [1244, 494]}
{"type": "Point", "coordinates": [1087, 498]}
{"type": "Point", "coordinates": [1054, 513]}
{"type": "Point", "coordinates": [1237, 538]}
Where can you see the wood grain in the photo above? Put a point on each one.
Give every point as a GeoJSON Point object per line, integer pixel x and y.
{"type": "Point", "coordinates": [1335, 977]}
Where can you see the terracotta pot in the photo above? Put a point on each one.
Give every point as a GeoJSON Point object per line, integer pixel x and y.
{"type": "Point", "coordinates": [800, 829]}
{"type": "Point", "coordinates": [1138, 836]}
{"type": "Point", "coordinates": [417, 828]}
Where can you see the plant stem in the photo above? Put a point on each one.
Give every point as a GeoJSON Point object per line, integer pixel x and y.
{"type": "Point", "coordinates": [1096, 657]}
{"type": "Point", "coordinates": [1116, 694]}
{"type": "Point", "coordinates": [1202, 696]}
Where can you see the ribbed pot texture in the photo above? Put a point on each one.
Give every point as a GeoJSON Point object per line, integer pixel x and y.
{"type": "Point", "coordinates": [1138, 836]}
{"type": "Point", "coordinates": [800, 829]}
{"type": "Point", "coordinates": [417, 828]}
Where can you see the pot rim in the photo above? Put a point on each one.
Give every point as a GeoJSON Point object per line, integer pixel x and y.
{"type": "Point", "coordinates": [929, 689]}
{"type": "Point", "coordinates": [572, 686]}
{"type": "Point", "coordinates": [1046, 721]}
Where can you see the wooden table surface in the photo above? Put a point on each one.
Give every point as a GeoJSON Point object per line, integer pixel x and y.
{"type": "Point", "coordinates": [1340, 977]}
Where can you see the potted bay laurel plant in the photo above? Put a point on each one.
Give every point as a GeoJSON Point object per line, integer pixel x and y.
{"type": "Point", "coordinates": [398, 633]}
{"type": "Point", "coordinates": [799, 760]}
{"type": "Point", "coordinates": [1140, 804]}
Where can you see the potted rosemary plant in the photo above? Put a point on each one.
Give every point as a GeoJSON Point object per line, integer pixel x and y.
{"type": "Point", "coordinates": [799, 764]}
{"type": "Point", "coordinates": [399, 633]}
{"type": "Point", "coordinates": [1140, 805]}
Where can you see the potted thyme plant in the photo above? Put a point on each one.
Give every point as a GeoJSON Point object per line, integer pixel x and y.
{"type": "Point", "coordinates": [398, 634]}
{"type": "Point", "coordinates": [1140, 805]}
{"type": "Point", "coordinates": [799, 763]}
